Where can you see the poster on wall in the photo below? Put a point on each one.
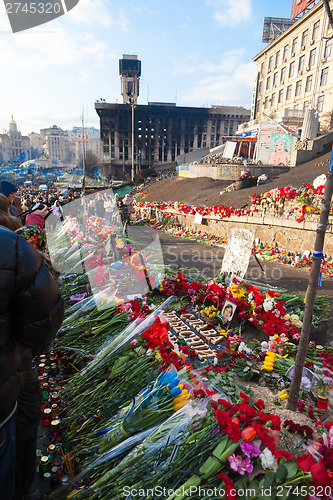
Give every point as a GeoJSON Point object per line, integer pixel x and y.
{"type": "Point", "coordinates": [299, 6]}
{"type": "Point", "coordinates": [267, 145]}
{"type": "Point", "coordinates": [280, 151]}
{"type": "Point", "coordinates": [183, 170]}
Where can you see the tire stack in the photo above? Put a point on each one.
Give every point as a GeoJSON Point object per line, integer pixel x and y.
{"type": "Point", "coordinates": [242, 183]}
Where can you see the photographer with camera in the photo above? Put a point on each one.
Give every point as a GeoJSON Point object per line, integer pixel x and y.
{"type": "Point", "coordinates": [37, 214]}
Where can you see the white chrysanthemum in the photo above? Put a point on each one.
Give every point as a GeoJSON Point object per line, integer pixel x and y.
{"type": "Point", "coordinates": [268, 304]}
{"type": "Point", "coordinates": [268, 460]}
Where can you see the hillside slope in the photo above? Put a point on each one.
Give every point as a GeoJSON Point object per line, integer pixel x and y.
{"type": "Point", "coordinates": [206, 191]}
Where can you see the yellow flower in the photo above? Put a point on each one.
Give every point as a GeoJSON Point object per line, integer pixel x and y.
{"type": "Point", "coordinates": [283, 395]}
{"type": "Point", "coordinates": [267, 366]}
{"type": "Point", "coordinates": [158, 356]}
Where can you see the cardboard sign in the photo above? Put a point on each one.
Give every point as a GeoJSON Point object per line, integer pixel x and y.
{"type": "Point", "coordinates": [238, 252]}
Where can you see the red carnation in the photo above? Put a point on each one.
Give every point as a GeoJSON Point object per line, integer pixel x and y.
{"type": "Point", "coordinates": [244, 397]}
{"type": "Point", "coordinates": [283, 454]}
{"type": "Point", "coordinates": [233, 431]}
{"type": "Point", "coordinates": [260, 405]}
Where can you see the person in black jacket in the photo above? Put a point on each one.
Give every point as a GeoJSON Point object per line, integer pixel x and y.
{"type": "Point", "coordinates": [31, 312]}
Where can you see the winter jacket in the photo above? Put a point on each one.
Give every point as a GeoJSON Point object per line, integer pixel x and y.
{"type": "Point", "coordinates": [35, 219]}
{"type": "Point", "coordinates": [31, 312]}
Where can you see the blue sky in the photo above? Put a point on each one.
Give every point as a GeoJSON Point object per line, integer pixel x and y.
{"type": "Point", "coordinates": [197, 52]}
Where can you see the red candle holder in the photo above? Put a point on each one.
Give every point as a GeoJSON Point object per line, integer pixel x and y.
{"type": "Point", "coordinates": [46, 417]}
{"type": "Point", "coordinates": [322, 403]}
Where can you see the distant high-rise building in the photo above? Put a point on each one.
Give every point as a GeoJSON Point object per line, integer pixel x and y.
{"type": "Point", "coordinates": [162, 131]}
{"type": "Point", "coordinates": [15, 147]}
{"type": "Point", "coordinates": [58, 147]}
{"type": "Point", "coordinates": [90, 140]}
{"type": "Point", "coordinates": [37, 144]}
{"type": "Point", "coordinates": [130, 72]}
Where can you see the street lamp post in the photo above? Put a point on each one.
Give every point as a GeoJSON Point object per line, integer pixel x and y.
{"type": "Point", "coordinates": [132, 106]}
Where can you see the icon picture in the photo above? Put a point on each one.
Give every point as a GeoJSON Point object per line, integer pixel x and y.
{"type": "Point", "coordinates": [27, 14]}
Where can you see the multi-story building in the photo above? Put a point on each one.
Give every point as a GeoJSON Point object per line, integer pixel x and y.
{"type": "Point", "coordinates": [37, 144]}
{"type": "Point", "coordinates": [90, 140]}
{"type": "Point", "coordinates": [162, 131]}
{"type": "Point", "coordinates": [58, 146]}
{"type": "Point", "coordinates": [295, 70]}
{"type": "Point", "coordinates": [15, 147]}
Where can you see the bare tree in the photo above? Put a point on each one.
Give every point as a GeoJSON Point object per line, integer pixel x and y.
{"type": "Point", "coordinates": [91, 161]}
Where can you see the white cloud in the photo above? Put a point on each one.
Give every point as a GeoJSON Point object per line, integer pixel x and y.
{"type": "Point", "coordinates": [60, 48]}
{"type": "Point", "coordinates": [94, 13]}
{"type": "Point", "coordinates": [91, 13]}
{"type": "Point", "coordinates": [123, 21]}
{"type": "Point", "coordinates": [228, 62]}
{"type": "Point", "coordinates": [186, 66]}
{"type": "Point", "coordinates": [230, 87]}
{"type": "Point", "coordinates": [231, 13]}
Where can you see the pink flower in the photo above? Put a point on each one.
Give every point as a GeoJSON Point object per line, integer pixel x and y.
{"type": "Point", "coordinates": [250, 449]}
{"type": "Point", "coordinates": [239, 465]}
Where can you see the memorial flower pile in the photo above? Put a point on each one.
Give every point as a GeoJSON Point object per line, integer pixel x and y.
{"type": "Point", "coordinates": [141, 412]}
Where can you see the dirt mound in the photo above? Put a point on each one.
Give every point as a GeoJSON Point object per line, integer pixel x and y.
{"type": "Point", "coordinates": [206, 191]}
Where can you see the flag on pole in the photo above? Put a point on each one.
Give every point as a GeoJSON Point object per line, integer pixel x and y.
{"type": "Point", "coordinates": [22, 156]}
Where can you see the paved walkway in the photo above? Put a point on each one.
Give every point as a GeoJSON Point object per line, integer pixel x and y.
{"type": "Point", "coordinates": [206, 260]}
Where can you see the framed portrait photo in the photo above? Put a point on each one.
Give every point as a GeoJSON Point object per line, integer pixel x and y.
{"type": "Point", "coordinates": [228, 311]}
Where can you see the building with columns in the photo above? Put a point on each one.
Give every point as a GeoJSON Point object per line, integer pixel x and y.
{"type": "Point", "coordinates": [162, 131]}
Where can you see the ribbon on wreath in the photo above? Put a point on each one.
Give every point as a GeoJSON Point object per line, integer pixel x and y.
{"type": "Point", "coordinates": [321, 256]}
{"type": "Point", "coordinates": [97, 416]}
{"type": "Point", "coordinates": [118, 426]}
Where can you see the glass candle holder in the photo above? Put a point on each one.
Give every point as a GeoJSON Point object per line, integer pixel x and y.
{"type": "Point", "coordinates": [46, 417]}
{"type": "Point", "coordinates": [44, 466]}
{"type": "Point", "coordinates": [51, 453]}
{"type": "Point", "coordinates": [55, 411]}
{"type": "Point", "coordinates": [41, 368]}
{"type": "Point", "coordinates": [55, 429]}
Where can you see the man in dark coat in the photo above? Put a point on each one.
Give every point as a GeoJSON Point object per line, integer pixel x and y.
{"type": "Point", "coordinates": [31, 312]}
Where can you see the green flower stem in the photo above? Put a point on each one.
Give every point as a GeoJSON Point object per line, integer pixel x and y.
{"type": "Point", "coordinates": [209, 468]}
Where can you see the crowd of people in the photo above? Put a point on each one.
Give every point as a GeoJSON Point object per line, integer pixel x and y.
{"type": "Point", "coordinates": [31, 312]}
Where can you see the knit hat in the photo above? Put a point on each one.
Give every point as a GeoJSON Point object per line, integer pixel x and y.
{"type": "Point", "coordinates": [7, 187]}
